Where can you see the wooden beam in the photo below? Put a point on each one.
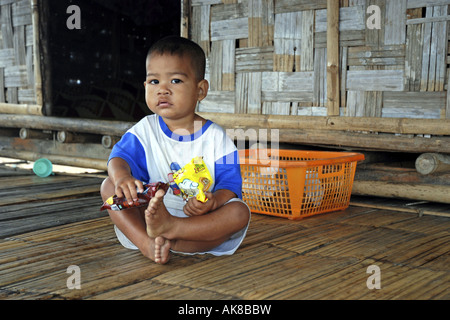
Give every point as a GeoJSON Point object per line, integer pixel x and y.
{"type": "Point", "coordinates": [66, 124]}
{"type": "Point", "coordinates": [83, 162]}
{"type": "Point", "coordinates": [429, 163]}
{"type": "Point", "coordinates": [359, 141]}
{"type": "Point", "coordinates": [439, 127]}
{"type": "Point", "coordinates": [333, 85]}
{"type": "Point", "coordinates": [185, 14]}
{"type": "Point", "coordinates": [361, 133]}
{"type": "Point", "coordinates": [434, 193]}
{"type": "Point", "coordinates": [12, 108]}
{"type": "Point", "coordinates": [36, 53]}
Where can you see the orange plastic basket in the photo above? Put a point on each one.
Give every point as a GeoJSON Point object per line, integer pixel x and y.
{"type": "Point", "coordinates": [296, 184]}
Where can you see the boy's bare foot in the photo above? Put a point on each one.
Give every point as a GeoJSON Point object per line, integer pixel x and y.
{"type": "Point", "coordinates": [158, 250]}
{"type": "Point", "coordinates": [157, 218]}
{"type": "Point", "coordinates": [162, 250]}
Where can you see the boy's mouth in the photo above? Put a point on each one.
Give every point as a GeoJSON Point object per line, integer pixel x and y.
{"type": "Point", "coordinates": [163, 103]}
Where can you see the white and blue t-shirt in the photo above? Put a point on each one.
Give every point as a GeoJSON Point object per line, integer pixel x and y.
{"type": "Point", "coordinates": [154, 153]}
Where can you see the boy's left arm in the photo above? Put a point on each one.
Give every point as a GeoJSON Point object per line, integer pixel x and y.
{"type": "Point", "coordinates": [215, 200]}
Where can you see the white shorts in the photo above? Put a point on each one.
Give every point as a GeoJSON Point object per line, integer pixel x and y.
{"type": "Point", "coordinates": [226, 248]}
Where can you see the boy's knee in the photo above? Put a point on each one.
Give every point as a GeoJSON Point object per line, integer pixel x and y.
{"type": "Point", "coordinates": [241, 210]}
{"type": "Point", "coordinates": [107, 188]}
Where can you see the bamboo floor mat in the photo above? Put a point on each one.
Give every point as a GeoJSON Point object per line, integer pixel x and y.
{"type": "Point", "coordinates": [322, 257]}
{"type": "Point", "coordinates": [29, 202]}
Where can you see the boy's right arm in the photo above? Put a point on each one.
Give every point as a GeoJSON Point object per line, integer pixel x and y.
{"type": "Point", "coordinates": [124, 183]}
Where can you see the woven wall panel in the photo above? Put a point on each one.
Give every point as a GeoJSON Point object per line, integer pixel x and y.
{"type": "Point", "coordinates": [17, 85]}
{"type": "Point", "coordinates": [270, 57]}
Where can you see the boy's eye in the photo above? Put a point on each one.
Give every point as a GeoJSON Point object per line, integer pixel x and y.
{"type": "Point", "coordinates": [153, 81]}
{"type": "Point", "coordinates": [176, 81]}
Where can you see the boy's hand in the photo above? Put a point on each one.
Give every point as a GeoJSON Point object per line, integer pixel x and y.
{"type": "Point", "coordinates": [197, 208]}
{"type": "Point", "coordinates": [126, 187]}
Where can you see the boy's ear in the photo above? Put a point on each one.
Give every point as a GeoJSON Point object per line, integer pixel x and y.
{"type": "Point", "coordinates": [203, 87]}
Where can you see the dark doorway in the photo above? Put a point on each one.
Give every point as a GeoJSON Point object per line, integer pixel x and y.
{"type": "Point", "coordinates": [98, 71]}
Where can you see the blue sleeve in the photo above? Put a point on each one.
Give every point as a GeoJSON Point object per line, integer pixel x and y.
{"type": "Point", "coordinates": [228, 174]}
{"type": "Point", "coordinates": [130, 149]}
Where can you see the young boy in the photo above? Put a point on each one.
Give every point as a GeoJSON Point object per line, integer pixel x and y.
{"type": "Point", "coordinates": [158, 146]}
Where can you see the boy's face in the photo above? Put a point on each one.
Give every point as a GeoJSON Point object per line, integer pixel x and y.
{"type": "Point", "coordinates": [171, 88]}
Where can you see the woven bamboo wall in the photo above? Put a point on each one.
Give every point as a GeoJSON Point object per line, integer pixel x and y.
{"type": "Point", "coordinates": [270, 57]}
{"type": "Point", "coordinates": [18, 84]}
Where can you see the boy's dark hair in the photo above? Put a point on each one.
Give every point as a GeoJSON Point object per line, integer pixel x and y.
{"type": "Point", "coordinates": [175, 45]}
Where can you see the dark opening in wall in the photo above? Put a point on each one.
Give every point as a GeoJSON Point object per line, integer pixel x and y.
{"type": "Point", "coordinates": [98, 71]}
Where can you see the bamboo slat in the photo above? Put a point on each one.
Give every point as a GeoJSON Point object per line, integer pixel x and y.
{"type": "Point", "coordinates": [333, 84]}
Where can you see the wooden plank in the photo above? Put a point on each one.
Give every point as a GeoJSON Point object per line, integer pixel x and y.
{"type": "Point", "coordinates": [229, 11]}
{"type": "Point", "coordinates": [287, 81]}
{"type": "Point", "coordinates": [350, 19]}
{"type": "Point", "coordinates": [195, 25]}
{"type": "Point", "coordinates": [16, 76]}
{"type": "Point", "coordinates": [373, 103]}
{"type": "Point", "coordinates": [395, 22]}
{"type": "Point", "coordinates": [388, 125]}
{"type": "Point", "coordinates": [254, 59]}
{"type": "Point", "coordinates": [425, 105]}
{"type": "Point", "coordinates": [204, 30]}
{"type": "Point", "coordinates": [355, 104]}
{"type": "Point", "coordinates": [228, 65]}
{"type": "Point", "coordinates": [307, 41]}
{"type": "Point", "coordinates": [320, 74]}
{"type": "Point", "coordinates": [7, 27]}
{"type": "Point", "coordinates": [375, 80]}
{"type": "Point", "coordinates": [204, 2]}
{"type": "Point", "coordinates": [426, 3]}
{"type": "Point", "coordinates": [426, 53]}
{"type": "Point", "coordinates": [447, 107]}
{"type": "Point", "coordinates": [413, 59]}
{"type": "Point", "coordinates": [260, 22]}
{"type": "Point", "coordinates": [254, 93]}
{"type": "Point", "coordinates": [19, 44]}
{"type": "Point", "coordinates": [287, 41]}
{"type": "Point", "coordinates": [229, 29]}
{"type": "Point", "coordinates": [2, 85]}
{"type": "Point", "coordinates": [21, 13]}
{"type": "Point", "coordinates": [375, 37]}
{"type": "Point", "coordinates": [216, 66]}
{"type": "Point", "coordinates": [283, 6]}
{"type": "Point", "coordinates": [185, 18]}
{"type": "Point", "coordinates": [241, 93]}
{"type": "Point", "coordinates": [368, 56]}
{"type": "Point", "coordinates": [440, 38]}
{"type": "Point", "coordinates": [218, 101]}
{"type": "Point", "coordinates": [7, 57]}
{"type": "Point", "coordinates": [426, 20]}
{"type": "Point", "coordinates": [285, 87]}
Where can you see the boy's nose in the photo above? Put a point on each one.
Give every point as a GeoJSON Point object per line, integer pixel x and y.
{"type": "Point", "coordinates": [163, 89]}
